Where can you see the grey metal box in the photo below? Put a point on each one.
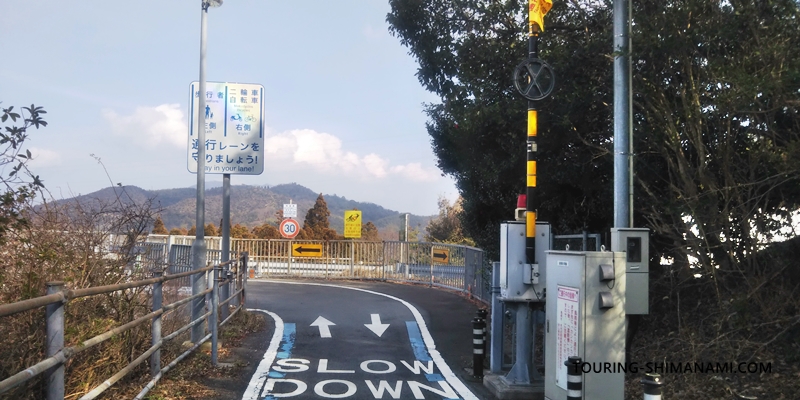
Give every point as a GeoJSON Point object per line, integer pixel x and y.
{"type": "Point", "coordinates": [637, 293]}
{"type": "Point", "coordinates": [520, 281]}
{"type": "Point", "coordinates": [622, 238]}
{"type": "Point", "coordinates": [635, 242]}
{"type": "Point", "coordinates": [577, 324]}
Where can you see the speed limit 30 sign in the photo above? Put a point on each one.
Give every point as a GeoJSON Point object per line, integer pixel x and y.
{"type": "Point", "coordinates": [289, 228]}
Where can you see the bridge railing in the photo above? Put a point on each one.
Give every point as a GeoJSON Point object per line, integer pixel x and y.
{"type": "Point", "coordinates": [224, 276]}
{"type": "Point", "coordinates": [454, 267]}
{"type": "Point", "coordinates": [464, 269]}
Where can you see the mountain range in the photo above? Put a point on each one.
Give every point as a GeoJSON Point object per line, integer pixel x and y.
{"type": "Point", "coordinates": [256, 205]}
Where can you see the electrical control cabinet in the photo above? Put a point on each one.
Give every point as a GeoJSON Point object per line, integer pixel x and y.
{"type": "Point", "coordinates": [635, 242]}
{"type": "Point", "coordinates": [585, 318]}
{"type": "Point", "coordinates": [519, 280]}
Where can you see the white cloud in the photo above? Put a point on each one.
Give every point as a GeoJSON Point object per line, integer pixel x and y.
{"type": "Point", "coordinates": [375, 165]}
{"type": "Point", "coordinates": [151, 126]}
{"type": "Point", "coordinates": [324, 153]}
{"type": "Point", "coordinates": [44, 158]}
{"type": "Point", "coordinates": [415, 172]}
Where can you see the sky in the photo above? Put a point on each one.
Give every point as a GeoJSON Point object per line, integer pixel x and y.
{"type": "Point", "coordinates": [342, 107]}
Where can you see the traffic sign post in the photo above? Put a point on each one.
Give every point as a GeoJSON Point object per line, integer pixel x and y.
{"type": "Point", "coordinates": [289, 228]}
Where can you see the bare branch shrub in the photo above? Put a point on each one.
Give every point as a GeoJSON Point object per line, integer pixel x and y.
{"type": "Point", "coordinates": [84, 244]}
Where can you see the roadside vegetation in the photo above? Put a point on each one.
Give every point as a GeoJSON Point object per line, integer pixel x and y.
{"type": "Point", "coordinates": [82, 245]}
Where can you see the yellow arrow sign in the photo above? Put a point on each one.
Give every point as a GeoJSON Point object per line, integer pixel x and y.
{"type": "Point", "coordinates": [306, 250]}
{"type": "Point", "coordinates": [441, 256]}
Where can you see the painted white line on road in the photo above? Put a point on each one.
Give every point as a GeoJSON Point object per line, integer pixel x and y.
{"type": "Point", "coordinates": [262, 372]}
{"type": "Point", "coordinates": [447, 373]}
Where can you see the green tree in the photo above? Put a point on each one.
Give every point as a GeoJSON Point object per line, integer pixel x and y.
{"type": "Point", "coordinates": [316, 224]}
{"type": "Point", "coordinates": [466, 52]}
{"type": "Point", "coordinates": [158, 227]}
{"type": "Point", "coordinates": [211, 230]}
{"type": "Point", "coordinates": [369, 232]}
{"type": "Point", "coordinates": [20, 184]}
{"type": "Point", "coordinates": [446, 228]}
{"type": "Point", "coordinates": [718, 106]}
{"type": "Point", "coordinates": [715, 117]}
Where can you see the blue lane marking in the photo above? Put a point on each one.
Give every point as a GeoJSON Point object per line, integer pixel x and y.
{"type": "Point", "coordinates": [420, 351]}
{"type": "Point", "coordinates": [285, 349]}
{"type": "Point", "coordinates": [434, 377]}
{"type": "Point", "coordinates": [417, 344]}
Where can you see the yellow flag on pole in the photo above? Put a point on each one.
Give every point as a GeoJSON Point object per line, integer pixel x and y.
{"type": "Point", "coordinates": [538, 8]}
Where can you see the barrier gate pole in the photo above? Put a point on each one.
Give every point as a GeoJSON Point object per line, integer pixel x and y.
{"type": "Point", "coordinates": [531, 149]}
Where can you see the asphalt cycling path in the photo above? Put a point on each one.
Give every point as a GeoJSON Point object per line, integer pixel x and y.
{"type": "Point", "coordinates": [362, 340]}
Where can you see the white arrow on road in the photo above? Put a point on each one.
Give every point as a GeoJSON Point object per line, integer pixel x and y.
{"type": "Point", "coordinates": [324, 326]}
{"type": "Point", "coordinates": [376, 325]}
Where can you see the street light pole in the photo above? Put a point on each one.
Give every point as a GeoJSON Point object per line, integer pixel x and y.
{"type": "Point", "coordinates": [199, 245]}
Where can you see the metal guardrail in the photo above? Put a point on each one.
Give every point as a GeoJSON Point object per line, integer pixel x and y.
{"type": "Point", "coordinates": [460, 268]}
{"type": "Point", "coordinates": [465, 269]}
{"type": "Point", "coordinates": [222, 276]}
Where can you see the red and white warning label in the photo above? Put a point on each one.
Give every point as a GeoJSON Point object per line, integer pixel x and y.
{"type": "Point", "coordinates": [566, 330]}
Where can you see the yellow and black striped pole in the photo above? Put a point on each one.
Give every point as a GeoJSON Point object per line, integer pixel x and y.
{"type": "Point", "coordinates": [530, 211]}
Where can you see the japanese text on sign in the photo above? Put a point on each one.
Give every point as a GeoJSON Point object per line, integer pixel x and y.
{"type": "Point", "coordinates": [234, 133]}
{"type": "Point", "coordinates": [352, 224]}
{"type": "Point", "coordinates": [566, 330]}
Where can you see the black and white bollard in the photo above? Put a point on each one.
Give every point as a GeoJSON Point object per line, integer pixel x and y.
{"type": "Point", "coordinates": [574, 378]}
{"type": "Point", "coordinates": [477, 347]}
{"type": "Point", "coordinates": [652, 384]}
{"type": "Point", "coordinates": [482, 313]}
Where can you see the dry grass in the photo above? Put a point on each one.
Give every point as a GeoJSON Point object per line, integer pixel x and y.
{"type": "Point", "coordinates": [190, 378]}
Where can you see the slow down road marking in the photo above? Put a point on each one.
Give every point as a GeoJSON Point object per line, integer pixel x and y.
{"type": "Point", "coordinates": [428, 364]}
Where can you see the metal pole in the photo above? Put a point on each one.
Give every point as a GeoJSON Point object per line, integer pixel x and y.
{"type": "Point", "coordinates": [289, 255]}
{"type": "Point", "coordinates": [623, 148]}
{"type": "Point", "coordinates": [226, 238]}
{"type": "Point", "coordinates": [406, 234]}
{"type": "Point", "coordinates": [199, 245]}
{"type": "Point", "coordinates": [54, 317]}
{"type": "Point", "coordinates": [585, 238]}
{"type": "Point", "coordinates": [246, 258]}
{"type": "Point", "coordinates": [531, 149]}
{"type": "Point", "coordinates": [214, 317]}
{"type": "Point", "coordinates": [520, 373]}
{"type": "Point", "coordinates": [496, 351]}
{"type": "Point", "coordinates": [155, 327]}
